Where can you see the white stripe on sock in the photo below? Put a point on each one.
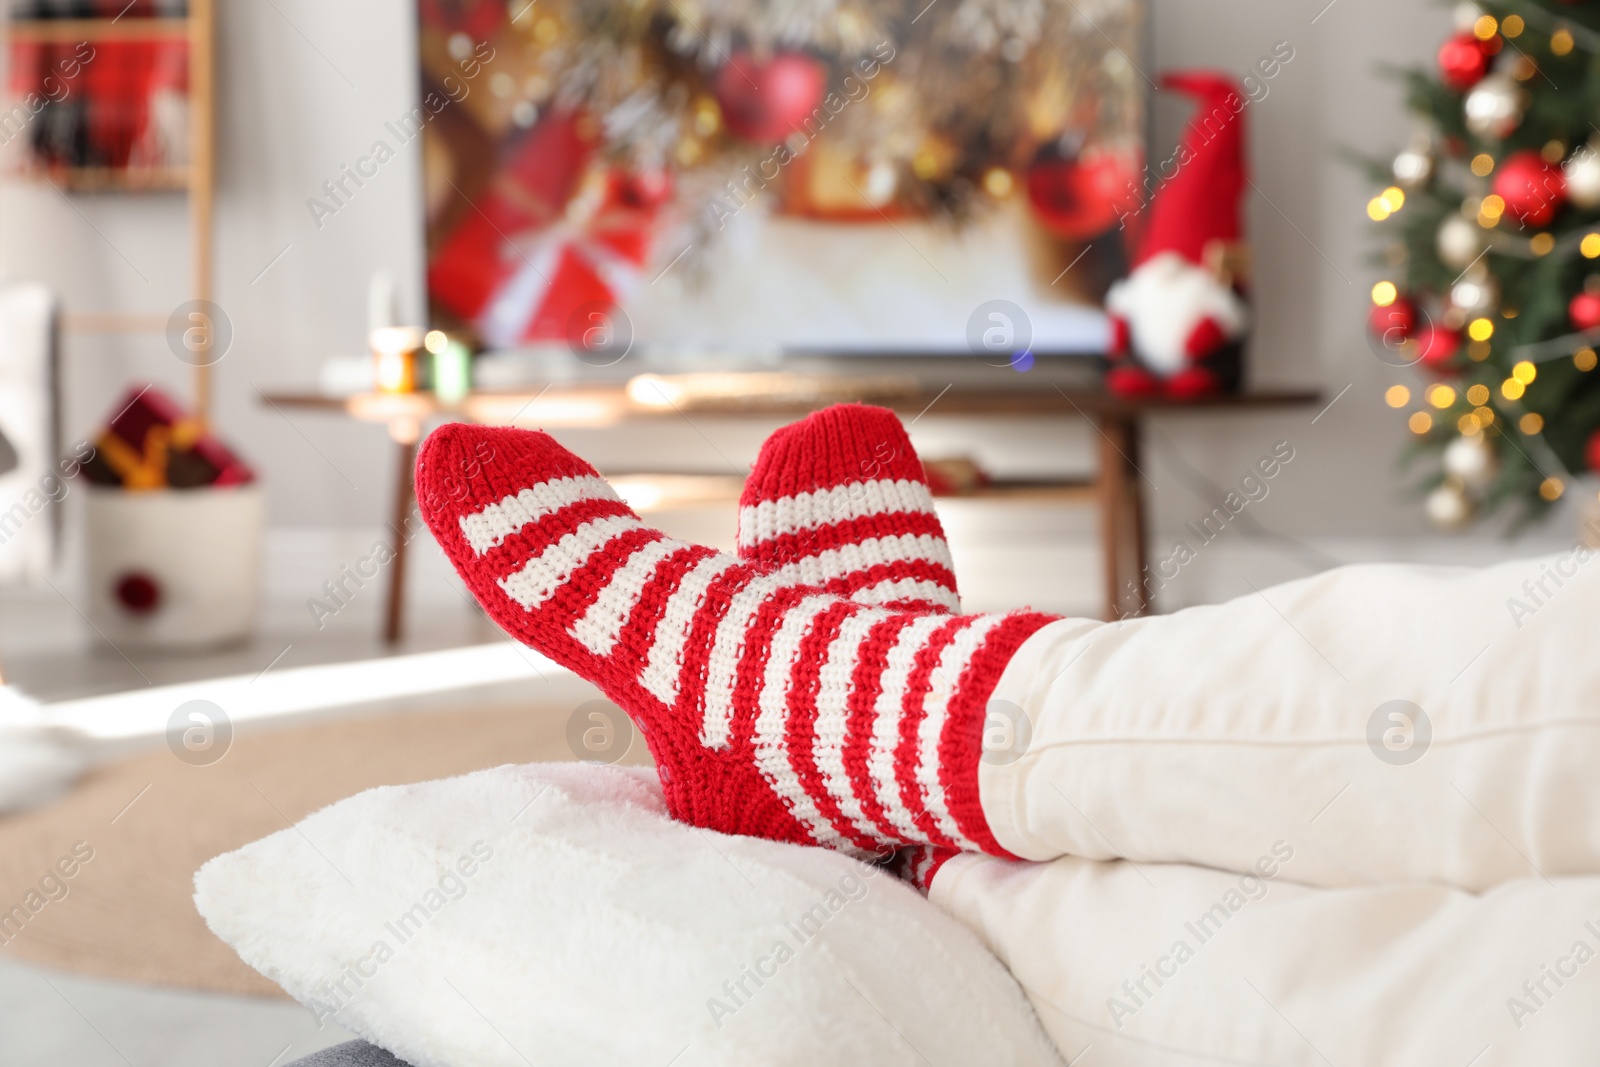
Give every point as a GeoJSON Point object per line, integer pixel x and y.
{"type": "Point", "coordinates": [538, 579]}
{"type": "Point", "coordinates": [936, 705]}
{"type": "Point", "coordinates": [833, 716]}
{"type": "Point", "coordinates": [500, 520]}
{"type": "Point", "coordinates": [887, 592]}
{"type": "Point", "coordinates": [847, 559]}
{"type": "Point", "coordinates": [772, 721]}
{"type": "Point", "coordinates": [824, 507]}
{"type": "Point", "coordinates": [601, 625]}
{"type": "Point", "coordinates": [887, 714]}
{"type": "Point", "coordinates": [727, 648]}
{"type": "Point", "coordinates": [665, 662]}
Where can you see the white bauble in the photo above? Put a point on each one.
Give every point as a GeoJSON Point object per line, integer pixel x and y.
{"type": "Point", "coordinates": [1477, 293]}
{"type": "Point", "coordinates": [1471, 460]}
{"type": "Point", "coordinates": [1449, 507]}
{"type": "Point", "coordinates": [1413, 167]}
{"type": "Point", "coordinates": [1460, 241]}
{"type": "Point", "coordinates": [1582, 172]}
{"type": "Point", "coordinates": [1494, 106]}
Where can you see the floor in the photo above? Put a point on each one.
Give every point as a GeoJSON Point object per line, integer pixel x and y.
{"type": "Point", "coordinates": [49, 1019]}
{"type": "Point", "coordinates": [53, 1019]}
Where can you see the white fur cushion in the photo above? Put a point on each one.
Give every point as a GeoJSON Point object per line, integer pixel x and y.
{"type": "Point", "coordinates": [553, 913]}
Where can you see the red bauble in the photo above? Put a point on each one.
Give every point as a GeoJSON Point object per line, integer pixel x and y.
{"type": "Point", "coordinates": [1584, 310]}
{"type": "Point", "coordinates": [1533, 189]}
{"type": "Point", "coordinates": [1463, 61]}
{"type": "Point", "coordinates": [1082, 198]}
{"type": "Point", "coordinates": [1396, 323]}
{"type": "Point", "coordinates": [1436, 345]}
{"type": "Point", "coordinates": [1592, 451]}
{"type": "Point", "coordinates": [768, 101]}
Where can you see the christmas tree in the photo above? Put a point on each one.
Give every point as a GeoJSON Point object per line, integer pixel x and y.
{"type": "Point", "coordinates": [1491, 220]}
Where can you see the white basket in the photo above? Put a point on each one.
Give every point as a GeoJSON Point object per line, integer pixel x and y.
{"type": "Point", "coordinates": [195, 554]}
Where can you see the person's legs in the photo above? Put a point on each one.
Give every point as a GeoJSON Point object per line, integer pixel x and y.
{"type": "Point", "coordinates": [1180, 966]}
{"type": "Point", "coordinates": [1394, 723]}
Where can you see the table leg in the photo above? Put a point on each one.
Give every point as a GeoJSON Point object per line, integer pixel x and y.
{"type": "Point", "coordinates": [1122, 516]}
{"type": "Point", "coordinates": [405, 498]}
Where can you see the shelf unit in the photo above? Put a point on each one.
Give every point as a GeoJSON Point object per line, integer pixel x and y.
{"type": "Point", "coordinates": [197, 179]}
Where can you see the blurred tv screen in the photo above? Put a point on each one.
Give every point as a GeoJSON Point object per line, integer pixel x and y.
{"type": "Point", "coordinates": [914, 189]}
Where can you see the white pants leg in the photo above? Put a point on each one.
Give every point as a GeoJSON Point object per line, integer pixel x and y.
{"type": "Point", "coordinates": [1391, 723]}
{"type": "Point", "coordinates": [1178, 966]}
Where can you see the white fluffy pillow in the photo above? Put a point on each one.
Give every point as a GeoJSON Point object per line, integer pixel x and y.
{"type": "Point", "coordinates": [554, 913]}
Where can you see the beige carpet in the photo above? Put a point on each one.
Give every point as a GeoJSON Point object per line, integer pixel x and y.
{"type": "Point", "coordinates": [153, 820]}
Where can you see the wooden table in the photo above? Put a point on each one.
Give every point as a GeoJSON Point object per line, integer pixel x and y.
{"type": "Point", "coordinates": [1117, 490]}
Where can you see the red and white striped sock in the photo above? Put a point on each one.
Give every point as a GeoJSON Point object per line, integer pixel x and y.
{"type": "Point", "coordinates": [772, 710]}
{"type": "Point", "coordinates": [839, 501]}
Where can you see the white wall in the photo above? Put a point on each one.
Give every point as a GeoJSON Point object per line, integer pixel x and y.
{"type": "Point", "coordinates": [306, 86]}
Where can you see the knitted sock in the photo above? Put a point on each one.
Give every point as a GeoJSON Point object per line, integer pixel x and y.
{"type": "Point", "coordinates": [771, 710]}
{"type": "Point", "coordinates": [839, 501]}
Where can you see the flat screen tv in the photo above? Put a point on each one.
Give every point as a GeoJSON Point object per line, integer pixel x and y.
{"type": "Point", "coordinates": [759, 177]}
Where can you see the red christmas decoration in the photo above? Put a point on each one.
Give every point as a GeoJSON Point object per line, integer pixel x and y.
{"type": "Point", "coordinates": [138, 593]}
{"type": "Point", "coordinates": [1395, 323]}
{"type": "Point", "coordinates": [1080, 198]}
{"type": "Point", "coordinates": [1584, 310]}
{"type": "Point", "coordinates": [1463, 61]}
{"type": "Point", "coordinates": [768, 101]}
{"type": "Point", "coordinates": [1591, 451]}
{"type": "Point", "coordinates": [1533, 189]}
{"type": "Point", "coordinates": [1436, 345]}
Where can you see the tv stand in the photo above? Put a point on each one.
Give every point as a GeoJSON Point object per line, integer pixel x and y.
{"type": "Point", "coordinates": [1117, 491]}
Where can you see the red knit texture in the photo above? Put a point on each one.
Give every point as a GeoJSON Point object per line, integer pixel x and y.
{"type": "Point", "coordinates": [841, 499]}
{"type": "Point", "coordinates": [763, 702]}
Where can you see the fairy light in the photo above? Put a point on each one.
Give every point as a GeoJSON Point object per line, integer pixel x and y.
{"type": "Point", "coordinates": [1441, 396]}
{"type": "Point", "coordinates": [1531, 423]}
{"type": "Point", "coordinates": [1468, 424]}
{"type": "Point", "coordinates": [1478, 395]}
{"type": "Point", "coordinates": [1485, 416]}
{"type": "Point", "coordinates": [1384, 293]}
{"type": "Point", "coordinates": [1552, 488]}
{"type": "Point", "coordinates": [1590, 245]}
{"type": "Point", "coordinates": [997, 182]}
{"type": "Point", "coordinates": [1561, 43]}
{"type": "Point", "coordinates": [1512, 389]}
{"type": "Point", "coordinates": [1482, 164]}
{"type": "Point", "coordinates": [1512, 26]}
{"type": "Point", "coordinates": [1420, 422]}
{"type": "Point", "coordinates": [1378, 209]}
{"type": "Point", "coordinates": [1525, 372]}
{"type": "Point", "coordinates": [1478, 351]}
{"type": "Point", "coordinates": [1486, 27]}
{"type": "Point", "coordinates": [1584, 359]}
{"type": "Point", "coordinates": [1397, 396]}
{"type": "Point", "coordinates": [1490, 210]}
{"type": "Point", "coordinates": [1394, 198]}
{"type": "Point", "coordinates": [1480, 329]}
{"type": "Point", "coordinates": [1541, 244]}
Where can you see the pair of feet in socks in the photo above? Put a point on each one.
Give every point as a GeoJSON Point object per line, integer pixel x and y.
{"type": "Point", "coordinates": [821, 687]}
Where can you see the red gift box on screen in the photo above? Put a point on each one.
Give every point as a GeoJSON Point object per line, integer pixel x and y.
{"type": "Point", "coordinates": [556, 232]}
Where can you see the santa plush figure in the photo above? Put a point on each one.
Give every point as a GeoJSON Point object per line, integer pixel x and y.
{"type": "Point", "coordinates": [1178, 320]}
